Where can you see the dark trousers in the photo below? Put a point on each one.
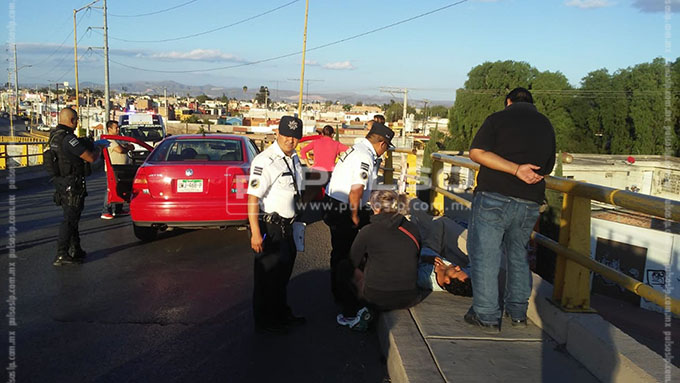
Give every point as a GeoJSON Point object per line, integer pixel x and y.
{"type": "Point", "coordinates": [346, 291]}
{"type": "Point", "coordinates": [352, 300]}
{"type": "Point", "coordinates": [343, 232]}
{"type": "Point", "coordinates": [272, 271]}
{"type": "Point", "coordinates": [68, 231]}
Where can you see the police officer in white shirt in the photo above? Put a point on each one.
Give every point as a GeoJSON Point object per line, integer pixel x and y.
{"type": "Point", "coordinates": [273, 191]}
{"type": "Point", "coordinates": [349, 189]}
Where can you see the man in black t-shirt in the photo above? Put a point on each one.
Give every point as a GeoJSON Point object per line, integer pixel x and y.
{"type": "Point", "coordinates": [516, 150]}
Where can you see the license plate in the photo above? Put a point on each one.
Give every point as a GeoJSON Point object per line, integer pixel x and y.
{"type": "Point", "coordinates": [189, 186]}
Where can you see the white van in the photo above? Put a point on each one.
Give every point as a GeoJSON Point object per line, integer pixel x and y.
{"type": "Point", "coordinates": [147, 127]}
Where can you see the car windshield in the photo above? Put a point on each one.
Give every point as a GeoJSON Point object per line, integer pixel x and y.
{"type": "Point", "coordinates": [143, 132]}
{"type": "Point", "coordinates": [198, 150]}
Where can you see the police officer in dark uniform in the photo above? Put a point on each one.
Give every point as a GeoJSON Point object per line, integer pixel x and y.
{"type": "Point", "coordinates": [273, 193]}
{"type": "Point", "coordinates": [352, 181]}
{"type": "Point", "coordinates": [74, 156]}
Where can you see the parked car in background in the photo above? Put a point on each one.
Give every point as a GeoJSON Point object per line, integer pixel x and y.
{"type": "Point", "coordinates": [43, 128]}
{"type": "Point", "coordinates": [192, 181]}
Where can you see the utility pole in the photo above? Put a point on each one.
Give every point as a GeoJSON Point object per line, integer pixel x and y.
{"type": "Point", "coordinates": [392, 91]}
{"type": "Point", "coordinates": [88, 112]}
{"type": "Point", "coordinates": [277, 88]}
{"type": "Point", "coordinates": [75, 60]}
{"type": "Point", "coordinates": [307, 85]}
{"type": "Point", "coordinates": [16, 88]}
{"type": "Point", "coordinates": [11, 107]}
{"type": "Point", "coordinates": [425, 101]}
{"type": "Point", "coordinates": [107, 95]}
{"type": "Point", "coordinates": [304, 51]}
{"type": "Point", "coordinates": [57, 86]}
{"type": "Point", "coordinates": [165, 95]}
{"type": "Point", "coordinates": [266, 103]}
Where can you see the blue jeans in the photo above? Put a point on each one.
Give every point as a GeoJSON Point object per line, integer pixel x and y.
{"type": "Point", "coordinates": [500, 224]}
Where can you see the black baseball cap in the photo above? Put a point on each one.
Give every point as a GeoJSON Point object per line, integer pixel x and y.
{"type": "Point", "coordinates": [290, 126]}
{"type": "Point", "coordinates": [384, 131]}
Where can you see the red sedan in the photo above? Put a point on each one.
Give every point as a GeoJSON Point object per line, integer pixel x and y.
{"type": "Point", "coordinates": [192, 181]}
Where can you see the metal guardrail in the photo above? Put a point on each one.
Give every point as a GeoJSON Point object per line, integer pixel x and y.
{"type": "Point", "coordinates": [574, 264]}
{"type": "Point", "coordinates": [31, 153]}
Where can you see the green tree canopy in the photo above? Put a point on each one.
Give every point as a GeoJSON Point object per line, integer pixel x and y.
{"type": "Point", "coordinates": [262, 95]}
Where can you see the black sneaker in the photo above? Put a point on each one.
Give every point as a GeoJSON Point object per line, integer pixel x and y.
{"type": "Point", "coordinates": [516, 322]}
{"type": "Point", "coordinates": [271, 328]}
{"type": "Point", "coordinates": [76, 252]}
{"type": "Point", "coordinates": [472, 318]}
{"type": "Point", "coordinates": [65, 259]}
{"type": "Point", "coordinates": [292, 320]}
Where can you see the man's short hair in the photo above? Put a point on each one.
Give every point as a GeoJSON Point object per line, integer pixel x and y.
{"type": "Point", "coordinates": [379, 118]}
{"type": "Point", "coordinates": [110, 123]}
{"type": "Point", "coordinates": [327, 131]}
{"type": "Point", "coordinates": [458, 287]}
{"type": "Point", "coordinates": [519, 95]}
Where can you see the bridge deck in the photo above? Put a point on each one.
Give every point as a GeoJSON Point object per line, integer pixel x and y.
{"type": "Point", "coordinates": [434, 344]}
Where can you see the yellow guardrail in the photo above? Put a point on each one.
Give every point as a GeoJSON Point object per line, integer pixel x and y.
{"type": "Point", "coordinates": [27, 153]}
{"type": "Point", "coordinates": [22, 139]}
{"type": "Point", "coordinates": [574, 264]}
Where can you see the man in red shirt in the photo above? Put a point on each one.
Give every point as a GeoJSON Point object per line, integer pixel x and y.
{"type": "Point", "coordinates": [326, 150]}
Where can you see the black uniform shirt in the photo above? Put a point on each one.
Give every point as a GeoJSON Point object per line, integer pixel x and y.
{"type": "Point", "coordinates": [72, 145]}
{"type": "Point", "coordinates": [520, 134]}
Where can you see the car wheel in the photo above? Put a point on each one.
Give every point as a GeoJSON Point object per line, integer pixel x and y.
{"type": "Point", "coordinates": [145, 233]}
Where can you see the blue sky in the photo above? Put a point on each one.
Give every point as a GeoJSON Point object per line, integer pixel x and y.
{"type": "Point", "coordinates": [430, 55]}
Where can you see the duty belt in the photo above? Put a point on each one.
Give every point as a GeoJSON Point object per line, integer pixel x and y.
{"type": "Point", "coordinates": [276, 219]}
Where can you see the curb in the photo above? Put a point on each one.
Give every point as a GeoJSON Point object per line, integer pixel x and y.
{"type": "Point", "coordinates": [408, 357]}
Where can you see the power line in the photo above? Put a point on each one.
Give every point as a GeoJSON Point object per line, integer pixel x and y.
{"type": "Point", "coordinates": [156, 12]}
{"type": "Point", "coordinates": [60, 61]}
{"type": "Point", "coordinates": [60, 45]}
{"type": "Point", "coordinates": [208, 31]}
{"type": "Point", "coordinates": [298, 52]}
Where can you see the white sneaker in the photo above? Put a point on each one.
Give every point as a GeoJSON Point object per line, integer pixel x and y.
{"type": "Point", "coordinates": [362, 320]}
{"type": "Point", "coordinates": [345, 321]}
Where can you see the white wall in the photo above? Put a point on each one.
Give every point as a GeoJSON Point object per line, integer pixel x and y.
{"type": "Point", "coordinates": [662, 248]}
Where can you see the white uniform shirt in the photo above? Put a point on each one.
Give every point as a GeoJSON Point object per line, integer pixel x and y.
{"type": "Point", "coordinates": [271, 180]}
{"type": "Point", "coordinates": [357, 166]}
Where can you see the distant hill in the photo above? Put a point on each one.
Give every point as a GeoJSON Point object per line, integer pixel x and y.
{"type": "Point", "coordinates": [173, 87]}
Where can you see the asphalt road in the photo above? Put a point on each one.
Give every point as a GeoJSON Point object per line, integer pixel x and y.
{"type": "Point", "coordinates": [19, 126]}
{"type": "Point", "coordinates": [174, 310]}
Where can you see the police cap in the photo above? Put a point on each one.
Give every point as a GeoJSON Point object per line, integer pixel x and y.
{"type": "Point", "coordinates": [290, 126]}
{"type": "Point", "coordinates": [384, 131]}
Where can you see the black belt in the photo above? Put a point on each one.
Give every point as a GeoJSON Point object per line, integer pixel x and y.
{"type": "Point", "coordinates": [276, 219]}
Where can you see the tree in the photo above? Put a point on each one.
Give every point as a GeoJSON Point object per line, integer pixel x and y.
{"type": "Point", "coordinates": [202, 98]}
{"type": "Point", "coordinates": [359, 103]}
{"type": "Point", "coordinates": [395, 111]}
{"type": "Point", "coordinates": [262, 95]}
{"type": "Point", "coordinates": [437, 111]}
{"type": "Point", "coordinates": [483, 94]}
{"type": "Point", "coordinates": [549, 89]}
{"type": "Point", "coordinates": [347, 107]}
{"type": "Point", "coordinates": [224, 98]}
{"type": "Point", "coordinates": [432, 146]}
